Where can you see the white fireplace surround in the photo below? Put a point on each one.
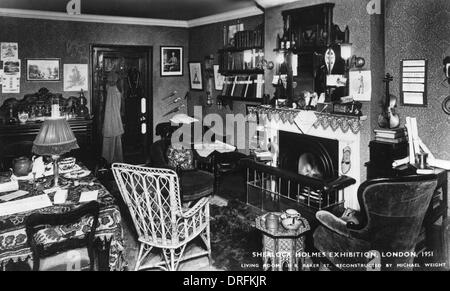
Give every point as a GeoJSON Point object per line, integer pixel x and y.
{"type": "Point", "coordinates": [303, 123]}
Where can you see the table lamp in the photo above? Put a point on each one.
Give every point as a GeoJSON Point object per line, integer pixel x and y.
{"type": "Point", "coordinates": [55, 138]}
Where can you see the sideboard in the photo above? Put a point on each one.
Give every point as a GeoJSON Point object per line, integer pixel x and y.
{"type": "Point", "coordinates": [17, 140]}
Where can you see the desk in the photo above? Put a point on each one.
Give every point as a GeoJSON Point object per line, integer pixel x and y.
{"type": "Point", "coordinates": [13, 238]}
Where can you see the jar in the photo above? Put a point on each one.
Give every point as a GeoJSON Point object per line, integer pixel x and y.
{"type": "Point", "coordinates": [272, 221]}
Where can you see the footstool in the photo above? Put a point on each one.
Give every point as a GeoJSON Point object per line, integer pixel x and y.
{"type": "Point", "coordinates": [282, 248]}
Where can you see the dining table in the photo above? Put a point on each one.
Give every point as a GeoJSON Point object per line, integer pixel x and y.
{"type": "Point", "coordinates": [13, 238]}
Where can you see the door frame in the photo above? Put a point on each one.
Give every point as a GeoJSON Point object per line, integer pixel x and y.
{"type": "Point", "coordinates": [94, 50]}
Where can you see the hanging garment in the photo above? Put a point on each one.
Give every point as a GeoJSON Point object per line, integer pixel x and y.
{"type": "Point", "coordinates": [112, 125]}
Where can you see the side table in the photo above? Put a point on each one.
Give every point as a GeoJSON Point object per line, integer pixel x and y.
{"type": "Point", "coordinates": [282, 248]}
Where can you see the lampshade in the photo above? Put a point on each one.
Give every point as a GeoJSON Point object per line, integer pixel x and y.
{"type": "Point", "coordinates": [54, 138]}
{"type": "Point", "coordinates": [346, 51]}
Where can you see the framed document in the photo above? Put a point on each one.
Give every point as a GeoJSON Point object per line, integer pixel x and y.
{"type": "Point", "coordinates": [413, 82]}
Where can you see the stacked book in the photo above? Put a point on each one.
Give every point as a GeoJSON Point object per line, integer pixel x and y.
{"type": "Point", "coordinates": [396, 135]}
{"type": "Point", "coordinates": [248, 38]}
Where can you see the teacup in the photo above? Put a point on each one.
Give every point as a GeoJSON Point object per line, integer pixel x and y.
{"type": "Point", "coordinates": [290, 215]}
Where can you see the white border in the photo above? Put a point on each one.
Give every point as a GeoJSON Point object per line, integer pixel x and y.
{"type": "Point", "coordinates": [39, 14]}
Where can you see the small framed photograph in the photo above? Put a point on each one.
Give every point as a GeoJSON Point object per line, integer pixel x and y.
{"type": "Point", "coordinates": [171, 61]}
{"type": "Point", "coordinates": [43, 70]}
{"type": "Point", "coordinates": [195, 76]}
{"type": "Point", "coordinates": [218, 78]}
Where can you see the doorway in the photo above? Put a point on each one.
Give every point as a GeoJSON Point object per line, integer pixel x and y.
{"type": "Point", "coordinates": [134, 63]}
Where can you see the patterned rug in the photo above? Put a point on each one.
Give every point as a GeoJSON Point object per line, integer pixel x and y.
{"type": "Point", "coordinates": [234, 239]}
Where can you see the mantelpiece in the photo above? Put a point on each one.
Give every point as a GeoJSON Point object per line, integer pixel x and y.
{"type": "Point", "coordinates": [335, 121]}
{"type": "Point", "coordinates": [345, 129]}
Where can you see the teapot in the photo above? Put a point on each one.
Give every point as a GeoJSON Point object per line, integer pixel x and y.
{"type": "Point", "coordinates": [22, 166]}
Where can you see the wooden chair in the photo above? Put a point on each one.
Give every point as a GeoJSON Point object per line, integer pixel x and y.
{"type": "Point", "coordinates": [51, 234]}
{"type": "Point", "coordinates": [153, 198]}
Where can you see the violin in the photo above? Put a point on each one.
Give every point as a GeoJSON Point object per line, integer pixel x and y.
{"type": "Point", "coordinates": [388, 118]}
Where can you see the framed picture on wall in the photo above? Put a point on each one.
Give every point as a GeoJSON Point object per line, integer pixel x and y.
{"type": "Point", "coordinates": [43, 70]}
{"type": "Point", "coordinates": [171, 61]}
{"type": "Point", "coordinates": [75, 77]}
{"type": "Point", "coordinates": [195, 76]}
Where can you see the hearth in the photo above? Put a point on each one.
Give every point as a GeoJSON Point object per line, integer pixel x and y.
{"type": "Point", "coordinates": [308, 155]}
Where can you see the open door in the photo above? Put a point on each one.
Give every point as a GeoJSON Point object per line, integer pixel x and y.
{"type": "Point", "coordinates": [136, 104]}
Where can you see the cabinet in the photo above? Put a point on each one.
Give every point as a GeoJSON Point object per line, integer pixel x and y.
{"type": "Point", "coordinates": [308, 33]}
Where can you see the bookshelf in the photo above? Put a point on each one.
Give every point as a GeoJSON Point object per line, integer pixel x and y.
{"type": "Point", "coordinates": [242, 65]}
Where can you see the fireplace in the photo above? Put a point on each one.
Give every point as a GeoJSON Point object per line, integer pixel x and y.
{"type": "Point", "coordinates": [308, 155]}
{"type": "Point", "coordinates": [327, 147]}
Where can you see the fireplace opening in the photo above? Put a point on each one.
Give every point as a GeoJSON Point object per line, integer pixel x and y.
{"type": "Point", "coordinates": [308, 155]}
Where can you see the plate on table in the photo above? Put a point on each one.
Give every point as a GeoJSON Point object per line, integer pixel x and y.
{"type": "Point", "coordinates": [65, 170]}
{"type": "Point", "coordinates": [77, 174]}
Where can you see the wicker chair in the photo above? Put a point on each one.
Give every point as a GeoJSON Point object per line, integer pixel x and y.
{"type": "Point", "coordinates": [153, 199]}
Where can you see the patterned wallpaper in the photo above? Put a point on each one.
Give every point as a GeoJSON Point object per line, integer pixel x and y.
{"type": "Point", "coordinates": [70, 41]}
{"type": "Point", "coordinates": [420, 29]}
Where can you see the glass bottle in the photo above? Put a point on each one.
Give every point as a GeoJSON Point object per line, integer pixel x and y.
{"type": "Point", "coordinates": [11, 118]}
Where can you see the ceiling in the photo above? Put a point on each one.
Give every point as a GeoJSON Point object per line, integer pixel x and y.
{"type": "Point", "coordinates": [159, 9]}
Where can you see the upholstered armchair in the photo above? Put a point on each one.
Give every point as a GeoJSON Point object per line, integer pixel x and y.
{"type": "Point", "coordinates": [390, 221]}
{"type": "Point", "coordinates": [194, 183]}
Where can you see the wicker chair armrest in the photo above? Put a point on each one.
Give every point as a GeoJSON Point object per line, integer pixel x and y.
{"type": "Point", "coordinates": [195, 209]}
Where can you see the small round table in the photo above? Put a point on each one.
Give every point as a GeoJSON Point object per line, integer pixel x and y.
{"type": "Point", "coordinates": [283, 248]}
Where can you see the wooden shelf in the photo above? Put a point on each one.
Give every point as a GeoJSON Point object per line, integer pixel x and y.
{"type": "Point", "coordinates": [235, 49]}
{"type": "Point", "coordinates": [241, 72]}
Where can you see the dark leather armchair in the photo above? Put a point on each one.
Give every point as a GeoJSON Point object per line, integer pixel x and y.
{"type": "Point", "coordinates": [390, 221]}
{"type": "Point", "coordinates": [195, 183]}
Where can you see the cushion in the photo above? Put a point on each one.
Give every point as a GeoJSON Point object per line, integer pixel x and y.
{"type": "Point", "coordinates": [332, 243]}
{"type": "Point", "coordinates": [180, 158]}
{"type": "Point", "coordinates": [196, 184]}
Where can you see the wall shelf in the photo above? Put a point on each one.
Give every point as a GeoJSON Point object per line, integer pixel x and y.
{"type": "Point", "coordinates": [240, 49]}
{"type": "Point", "coordinates": [241, 72]}
{"type": "Point", "coordinates": [228, 100]}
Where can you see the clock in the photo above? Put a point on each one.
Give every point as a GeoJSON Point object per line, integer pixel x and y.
{"type": "Point", "coordinates": [446, 105]}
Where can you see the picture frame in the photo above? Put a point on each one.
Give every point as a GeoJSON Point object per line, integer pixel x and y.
{"type": "Point", "coordinates": [413, 82]}
{"type": "Point", "coordinates": [44, 70]}
{"type": "Point", "coordinates": [76, 77]}
{"type": "Point", "coordinates": [218, 78]}
{"type": "Point", "coordinates": [195, 76]}
{"type": "Point", "coordinates": [171, 61]}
